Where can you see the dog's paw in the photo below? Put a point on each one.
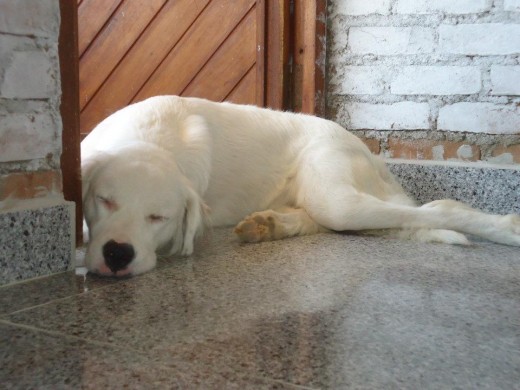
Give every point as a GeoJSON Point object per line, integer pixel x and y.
{"type": "Point", "coordinates": [256, 228]}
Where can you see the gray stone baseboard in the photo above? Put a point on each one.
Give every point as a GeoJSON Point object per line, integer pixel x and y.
{"type": "Point", "coordinates": [491, 188]}
{"type": "Point", "coordinates": [37, 239]}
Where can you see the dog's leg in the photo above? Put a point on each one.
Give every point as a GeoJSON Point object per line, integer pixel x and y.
{"type": "Point", "coordinates": [343, 208]}
{"type": "Point", "coordinates": [272, 225]}
{"type": "Point", "coordinates": [504, 229]}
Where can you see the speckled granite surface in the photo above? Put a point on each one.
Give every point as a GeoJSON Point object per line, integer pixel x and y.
{"type": "Point", "coordinates": [324, 311]}
{"type": "Point", "coordinates": [36, 241]}
{"type": "Point", "coordinates": [495, 189]}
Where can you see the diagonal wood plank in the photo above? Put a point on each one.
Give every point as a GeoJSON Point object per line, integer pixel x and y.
{"type": "Point", "coordinates": [141, 60]}
{"type": "Point", "coordinates": [92, 16]}
{"type": "Point", "coordinates": [195, 48]}
{"type": "Point", "coordinates": [229, 64]}
{"type": "Point", "coordinates": [245, 91]}
{"type": "Point", "coordinates": [113, 42]}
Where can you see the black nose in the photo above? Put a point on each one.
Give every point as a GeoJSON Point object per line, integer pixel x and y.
{"type": "Point", "coordinates": [117, 256]}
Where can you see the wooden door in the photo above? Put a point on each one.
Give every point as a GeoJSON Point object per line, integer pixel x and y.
{"type": "Point", "coordinates": [113, 51]}
{"type": "Point", "coordinates": [133, 49]}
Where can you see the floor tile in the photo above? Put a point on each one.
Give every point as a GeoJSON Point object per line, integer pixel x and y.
{"type": "Point", "coordinates": [44, 361]}
{"type": "Point", "coordinates": [324, 311]}
{"type": "Point", "coordinates": [39, 291]}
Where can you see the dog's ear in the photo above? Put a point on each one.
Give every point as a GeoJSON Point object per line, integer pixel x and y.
{"type": "Point", "coordinates": [194, 220]}
{"type": "Point", "coordinates": [193, 152]}
{"type": "Point", "coordinates": [89, 167]}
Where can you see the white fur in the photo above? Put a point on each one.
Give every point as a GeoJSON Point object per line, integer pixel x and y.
{"type": "Point", "coordinates": [155, 170]}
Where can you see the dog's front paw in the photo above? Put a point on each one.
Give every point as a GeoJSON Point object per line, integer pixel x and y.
{"type": "Point", "coordinates": [256, 228]}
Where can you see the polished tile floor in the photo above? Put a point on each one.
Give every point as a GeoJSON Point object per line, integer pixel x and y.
{"type": "Point", "coordinates": [325, 311]}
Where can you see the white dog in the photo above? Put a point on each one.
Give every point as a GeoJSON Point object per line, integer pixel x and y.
{"type": "Point", "coordinates": [155, 172]}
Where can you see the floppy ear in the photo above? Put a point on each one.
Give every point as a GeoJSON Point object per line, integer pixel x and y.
{"type": "Point", "coordinates": [194, 220]}
{"type": "Point", "coordinates": [89, 167]}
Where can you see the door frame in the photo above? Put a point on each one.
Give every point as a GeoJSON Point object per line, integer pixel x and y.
{"type": "Point", "coordinates": [295, 51]}
{"type": "Point", "coordinates": [69, 109]}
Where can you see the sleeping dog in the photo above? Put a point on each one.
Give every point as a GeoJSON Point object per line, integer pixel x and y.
{"type": "Point", "coordinates": [156, 172]}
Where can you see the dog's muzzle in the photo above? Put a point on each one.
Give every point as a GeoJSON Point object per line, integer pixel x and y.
{"type": "Point", "coordinates": [118, 255]}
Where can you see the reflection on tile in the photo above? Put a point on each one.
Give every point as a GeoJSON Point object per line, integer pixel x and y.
{"type": "Point", "coordinates": [39, 291]}
{"type": "Point", "coordinates": [35, 292]}
{"type": "Point", "coordinates": [37, 360]}
{"type": "Point", "coordinates": [324, 311]}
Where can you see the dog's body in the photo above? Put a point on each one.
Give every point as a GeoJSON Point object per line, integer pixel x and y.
{"type": "Point", "coordinates": [155, 170]}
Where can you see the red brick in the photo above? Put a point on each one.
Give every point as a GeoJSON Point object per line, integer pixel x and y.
{"type": "Point", "coordinates": [28, 185]}
{"type": "Point", "coordinates": [373, 144]}
{"type": "Point", "coordinates": [423, 149]}
{"type": "Point", "coordinates": [514, 150]}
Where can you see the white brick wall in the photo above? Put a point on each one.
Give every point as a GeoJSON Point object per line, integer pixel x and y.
{"type": "Point", "coordinates": [480, 117]}
{"type": "Point", "coordinates": [390, 40]}
{"type": "Point", "coordinates": [27, 76]}
{"type": "Point", "coordinates": [361, 80]}
{"type": "Point", "coordinates": [480, 39]}
{"type": "Point", "coordinates": [30, 121]}
{"type": "Point", "coordinates": [447, 6]}
{"type": "Point", "coordinates": [26, 136]}
{"type": "Point", "coordinates": [505, 80]}
{"type": "Point", "coordinates": [403, 115]}
{"type": "Point", "coordinates": [512, 5]}
{"type": "Point", "coordinates": [437, 80]}
{"type": "Point", "coordinates": [438, 66]}
{"type": "Point", "coordinates": [30, 17]}
{"type": "Point", "coordinates": [364, 7]}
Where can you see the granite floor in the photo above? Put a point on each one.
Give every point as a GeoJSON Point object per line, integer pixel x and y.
{"type": "Point", "coordinates": [325, 311]}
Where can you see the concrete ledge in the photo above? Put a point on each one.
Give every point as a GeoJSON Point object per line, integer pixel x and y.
{"type": "Point", "coordinates": [38, 238]}
{"type": "Point", "coordinates": [491, 188]}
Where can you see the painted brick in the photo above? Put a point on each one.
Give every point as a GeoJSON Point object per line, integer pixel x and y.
{"type": "Point", "coordinates": [374, 145]}
{"type": "Point", "coordinates": [437, 80]}
{"type": "Point", "coordinates": [362, 7]}
{"type": "Point", "coordinates": [397, 116]}
{"type": "Point", "coordinates": [30, 17]}
{"type": "Point", "coordinates": [360, 80]}
{"type": "Point", "coordinates": [28, 185]}
{"type": "Point", "coordinates": [505, 154]}
{"type": "Point", "coordinates": [480, 39]}
{"type": "Point", "coordinates": [27, 137]}
{"type": "Point", "coordinates": [446, 6]}
{"type": "Point", "coordinates": [480, 118]}
{"type": "Point", "coordinates": [10, 44]}
{"type": "Point", "coordinates": [28, 76]}
{"type": "Point", "coordinates": [505, 80]}
{"type": "Point", "coordinates": [432, 150]}
{"type": "Point", "coordinates": [512, 5]}
{"type": "Point", "coordinates": [390, 40]}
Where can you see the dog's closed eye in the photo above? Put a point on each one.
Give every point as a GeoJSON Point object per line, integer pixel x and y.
{"type": "Point", "coordinates": [156, 218]}
{"type": "Point", "coordinates": [107, 203]}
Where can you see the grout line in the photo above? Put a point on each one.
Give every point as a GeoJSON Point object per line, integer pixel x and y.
{"type": "Point", "coordinates": [160, 364]}
{"type": "Point", "coordinates": [67, 336]}
{"type": "Point", "coordinates": [294, 385]}
{"type": "Point", "coordinates": [31, 280]}
{"type": "Point", "coordinates": [77, 294]}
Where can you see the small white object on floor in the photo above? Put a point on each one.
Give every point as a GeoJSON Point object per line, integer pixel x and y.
{"type": "Point", "coordinates": [82, 271]}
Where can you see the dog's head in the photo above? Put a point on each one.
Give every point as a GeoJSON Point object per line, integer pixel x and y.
{"type": "Point", "coordinates": [136, 202]}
